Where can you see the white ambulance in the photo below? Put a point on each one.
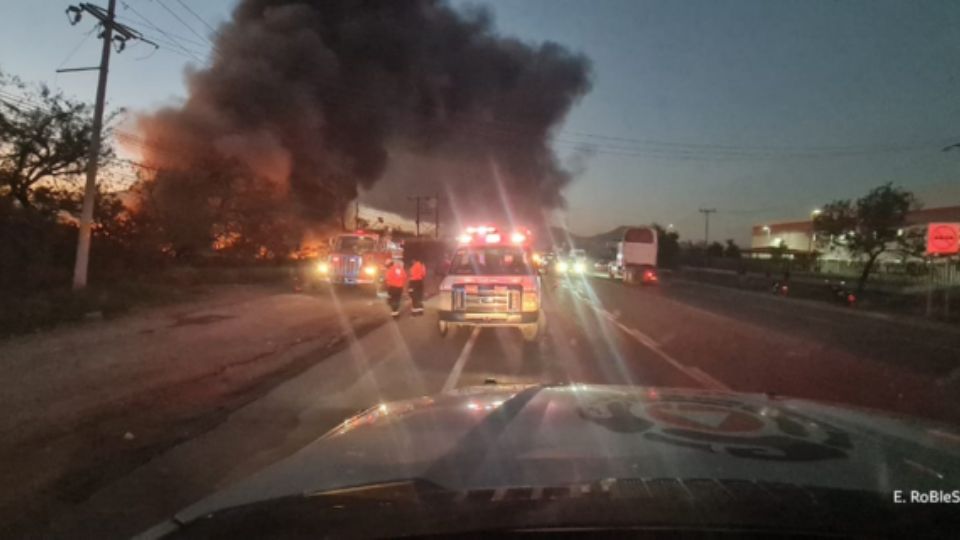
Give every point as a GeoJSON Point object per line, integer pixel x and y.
{"type": "Point", "coordinates": [492, 280]}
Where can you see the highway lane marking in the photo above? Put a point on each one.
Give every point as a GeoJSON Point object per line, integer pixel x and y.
{"type": "Point", "coordinates": [840, 321]}
{"type": "Point", "coordinates": [694, 373]}
{"type": "Point", "coordinates": [461, 361]}
{"type": "Point", "coordinates": [850, 323]}
{"type": "Point", "coordinates": [846, 314]}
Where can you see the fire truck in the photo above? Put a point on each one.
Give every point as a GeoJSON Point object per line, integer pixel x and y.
{"type": "Point", "coordinates": [492, 280]}
{"type": "Point", "coordinates": [358, 259]}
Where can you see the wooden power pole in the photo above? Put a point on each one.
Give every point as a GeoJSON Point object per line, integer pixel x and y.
{"type": "Point", "coordinates": [113, 33]}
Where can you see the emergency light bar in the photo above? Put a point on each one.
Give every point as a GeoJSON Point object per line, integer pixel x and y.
{"type": "Point", "coordinates": [491, 235]}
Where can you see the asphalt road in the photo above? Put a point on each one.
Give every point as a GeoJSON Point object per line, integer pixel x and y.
{"type": "Point", "coordinates": [678, 334]}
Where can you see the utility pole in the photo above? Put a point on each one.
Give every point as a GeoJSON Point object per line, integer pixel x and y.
{"type": "Point", "coordinates": [417, 198]}
{"type": "Point", "coordinates": [123, 33]}
{"type": "Point", "coordinates": [706, 225]}
{"type": "Point", "coordinates": [436, 211]}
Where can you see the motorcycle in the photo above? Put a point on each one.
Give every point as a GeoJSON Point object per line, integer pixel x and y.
{"type": "Point", "coordinates": [841, 294]}
{"type": "Point", "coordinates": [780, 288]}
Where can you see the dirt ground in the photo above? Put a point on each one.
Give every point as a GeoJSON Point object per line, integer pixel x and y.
{"type": "Point", "coordinates": [86, 403]}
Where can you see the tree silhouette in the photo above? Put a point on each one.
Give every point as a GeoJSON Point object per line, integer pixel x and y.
{"type": "Point", "coordinates": [868, 227]}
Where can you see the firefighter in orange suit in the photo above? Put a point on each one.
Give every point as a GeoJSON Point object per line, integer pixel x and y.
{"type": "Point", "coordinates": [396, 280]}
{"type": "Point", "coordinates": [417, 274]}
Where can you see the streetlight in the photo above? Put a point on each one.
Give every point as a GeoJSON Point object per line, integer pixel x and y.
{"type": "Point", "coordinates": [766, 229]}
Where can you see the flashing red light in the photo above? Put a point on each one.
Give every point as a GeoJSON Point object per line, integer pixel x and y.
{"type": "Point", "coordinates": [336, 259]}
{"type": "Point", "coordinates": [491, 235]}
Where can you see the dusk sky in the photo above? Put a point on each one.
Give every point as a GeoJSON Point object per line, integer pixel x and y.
{"type": "Point", "coordinates": [762, 109]}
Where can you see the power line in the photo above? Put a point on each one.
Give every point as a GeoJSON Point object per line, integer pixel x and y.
{"type": "Point", "coordinates": [172, 40]}
{"type": "Point", "coordinates": [490, 130]}
{"type": "Point", "coordinates": [198, 17]}
{"type": "Point", "coordinates": [170, 35]}
{"type": "Point", "coordinates": [700, 148]}
{"type": "Point", "coordinates": [143, 19]}
{"type": "Point", "coordinates": [646, 148]}
{"type": "Point", "coordinates": [643, 148]}
{"type": "Point", "coordinates": [495, 133]}
{"type": "Point", "coordinates": [178, 49]}
{"type": "Point", "coordinates": [183, 22]}
{"type": "Point", "coordinates": [79, 44]}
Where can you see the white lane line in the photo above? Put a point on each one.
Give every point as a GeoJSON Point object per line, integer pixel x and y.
{"type": "Point", "coordinates": [461, 361]}
{"type": "Point", "coordinates": [694, 373]}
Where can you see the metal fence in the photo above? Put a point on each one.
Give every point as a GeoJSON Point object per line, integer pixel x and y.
{"type": "Point", "coordinates": [914, 273]}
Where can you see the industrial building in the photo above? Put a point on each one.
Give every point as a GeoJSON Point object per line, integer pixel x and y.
{"type": "Point", "coordinates": [798, 239]}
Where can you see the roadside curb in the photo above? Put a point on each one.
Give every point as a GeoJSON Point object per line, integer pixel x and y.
{"type": "Point", "coordinates": [914, 321]}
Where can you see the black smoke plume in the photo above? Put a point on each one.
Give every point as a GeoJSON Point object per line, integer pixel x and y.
{"type": "Point", "coordinates": [322, 98]}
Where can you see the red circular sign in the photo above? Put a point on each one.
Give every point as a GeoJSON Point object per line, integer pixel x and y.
{"type": "Point", "coordinates": [944, 237]}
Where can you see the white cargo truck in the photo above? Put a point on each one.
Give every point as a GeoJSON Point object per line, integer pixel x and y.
{"type": "Point", "coordinates": [636, 260]}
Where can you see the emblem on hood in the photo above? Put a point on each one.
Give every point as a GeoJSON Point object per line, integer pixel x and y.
{"type": "Point", "coordinates": [718, 425]}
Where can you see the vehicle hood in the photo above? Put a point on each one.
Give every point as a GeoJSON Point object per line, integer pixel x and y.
{"type": "Point", "coordinates": [496, 436]}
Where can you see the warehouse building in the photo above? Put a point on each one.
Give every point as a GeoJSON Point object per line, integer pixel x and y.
{"type": "Point", "coordinates": [797, 238]}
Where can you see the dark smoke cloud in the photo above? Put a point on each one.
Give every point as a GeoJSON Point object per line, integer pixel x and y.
{"type": "Point", "coordinates": [324, 97]}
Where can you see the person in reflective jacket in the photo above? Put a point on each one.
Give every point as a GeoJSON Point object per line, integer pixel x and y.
{"type": "Point", "coordinates": [396, 280]}
{"type": "Point", "coordinates": [417, 274]}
